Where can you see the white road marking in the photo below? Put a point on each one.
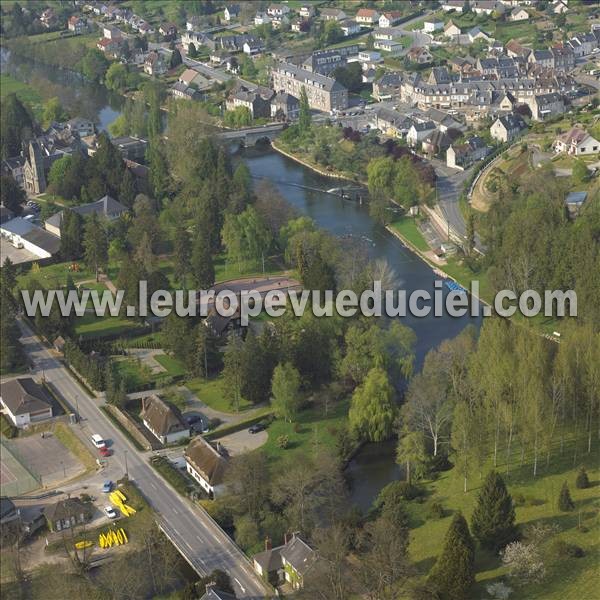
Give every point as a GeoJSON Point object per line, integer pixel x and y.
{"type": "Point", "coordinates": [241, 586]}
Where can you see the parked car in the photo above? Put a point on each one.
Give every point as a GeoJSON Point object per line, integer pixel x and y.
{"type": "Point", "coordinates": [105, 451]}
{"type": "Point", "coordinates": [98, 441]}
{"type": "Point", "coordinates": [191, 419]}
{"type": "Point", "coordinates": [107, 486]}
{"type": "Point", "coordinates": [110, 512]}
{"type": "Point", "coordinates": [257, 428]}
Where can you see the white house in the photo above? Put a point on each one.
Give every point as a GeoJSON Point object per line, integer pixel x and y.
{"type": "Point", "coordinates": [163, 420]}
{"type": "Point", "coordinates": [278, 10]}
{"type": "Point", "coordinates": [559, 7]}
{"type": "Point", "coordinates": [231, 12]}
{"type": "Point", "coordinates": [451, 29]}
{"type": "Point", "coordinates": [388, 46]}
{"type": "Point", "coordinates": [432, 26]}
{"type": "Point", "coordinates": [349, 27]}
{"type": "Point", "coordinates": [418, 132]}
{"type": "Point", "coordinates": [25, 402]}
{"type": "Point", "coordinates": [387, 19]}
{"type": "Point", "coordinates": [262, 18]}
{"type": "Point", "coordinates": [307, 11]}
{"type": "Point", "coordinates": [487, 7]}
{"type": "Point", "coordinates": [367, 16]}
{"type": "Point", "coordinates": [333, 14]}
{"type": "Point", "coordinates": [455, 5]}
{"type": "Point", "coordinates": [206, 465]}
{"type": "Point", "coordinates": [577, 142]}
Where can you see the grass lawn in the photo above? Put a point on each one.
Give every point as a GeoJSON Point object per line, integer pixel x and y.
{"type": "Point", "coordinates": [569, 578]}
{"type": "Point", "coordinates": [174, 367]}
{"type": "Point", "coordinates": [212, 393]}
{"type": "Point", "coordinates": [25, 93]}
{"type": "Point", "coordinates": [64, 434]}
{"type": "Point", "coordinates": [54, 276]}
{"type": "Point", "coordinates": [135, 373]}
{"type": "Point", "coordinates": [312, 426]}
{"type": "Point", "coordinates": [91, 325]}
{"type": "Point", "coordinates": [464, 275]}
{"type": "Point", "coordinates": [408, 229]}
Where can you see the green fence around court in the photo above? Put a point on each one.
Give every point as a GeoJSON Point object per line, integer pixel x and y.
{"type": "Point", "coordinates": [17, 478]}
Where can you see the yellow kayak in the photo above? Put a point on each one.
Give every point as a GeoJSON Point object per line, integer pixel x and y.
{"type": "Point", "coordinates": [83, 544]}
{"type": "Point", "coordinates": [124, 536]}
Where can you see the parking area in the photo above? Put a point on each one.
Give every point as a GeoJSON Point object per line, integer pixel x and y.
{"type": "Point", "coordinates": [46, 458]}
{"type": "Point", "coordinates": [16, 255]}
{"type": "Point", "coordinates": [243, 441]}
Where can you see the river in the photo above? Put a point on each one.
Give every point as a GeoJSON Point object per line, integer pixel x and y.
{"type": "Point", "coordinates": [374, 466]}
{"type": "Point", "coordinates": [79, 97]}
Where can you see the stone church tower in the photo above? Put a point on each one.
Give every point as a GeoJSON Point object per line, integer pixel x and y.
{"type": "Point", "coordinates": [33, 170]}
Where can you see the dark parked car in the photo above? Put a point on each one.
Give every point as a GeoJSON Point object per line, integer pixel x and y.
{"type": "Point", "coordinates": [256, 428]}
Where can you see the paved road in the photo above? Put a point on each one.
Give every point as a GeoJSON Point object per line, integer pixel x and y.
{"type": "Point", "coordinates": [195, 534]}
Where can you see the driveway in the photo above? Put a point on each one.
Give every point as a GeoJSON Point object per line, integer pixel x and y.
{"type": "Point", "coordinates": [241, 442]}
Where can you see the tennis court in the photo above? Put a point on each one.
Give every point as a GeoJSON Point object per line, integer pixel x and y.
{"type": "Point", "coordinates": [15, 478]}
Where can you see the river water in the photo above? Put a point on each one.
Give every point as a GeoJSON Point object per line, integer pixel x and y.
{"type": "Point", "coordinates": [374, 466]}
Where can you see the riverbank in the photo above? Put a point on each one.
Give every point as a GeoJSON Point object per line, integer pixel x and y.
{"type": "Point", "coordinates": [310, 165]}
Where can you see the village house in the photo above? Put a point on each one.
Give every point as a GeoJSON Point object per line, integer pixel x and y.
{"type": "Point", "coordinates": [507, 127]}
{"type": "Point", "coordinates": [454, 5]}
{"type": "Point", "coordinates": [545, 58]}
{"type": "Point", "coordinates": [332, 14]}
{"type": "Point", "coordinates": [257, 101]}
{"type": "Point", "coordinates": [262, 18]}
{"type": "Point", "coordinates": [518, 14]}
{"type": "Point", "coordinates": [392, 123]}
{"type": "Point", "coordinates": [109, 46]}
{"type": "Point", "coordinates": [451, 30]}
{"type": "Point", "coordinates": [369, 57]}
{"type": "Point", "coordinates": [384, 34]}
{"type": "Point", "coordinates": [155, 64]}
{"type": "Point", "coordinates": [391, 47]}
{"type": "Point", "coordinates": [253, 46]}
{"type": "Point", "coordinates": [231, 12]}
{"type": "Point", "coordinates": [168, 31]}
{"type": "Point", "coordinates": [477, 34]}
{"type": "Point", "coordinates": [515, 49]}
{"type": "Point", "coordinates": [207, 465]}
{"type": "Point", "coordinates": [349, 27]}
{"type": "Point", "coordinates": [431, 26]}
{"type": "Point", "coordinates": [462, 156]}
{"type": "Point", "coordinates": [436, 143]}
{"type": "Point", "coordinates": [307, 11]}
{"type": "Point", "coordinates": [48, 17]}
{"type": "Point", "coordinates": [284, 107]}
{"type": "Point", "coordinates": [367, 16]}
{"type": "Point", "coordinates": [192, 23]}
{"type": "Point", "coordinates": [390, 18]}
{"type": "Point", "coordinates": [278, 10]}
{"type": "Point", "coordinates": [487, 7]}
{"type": "Point", "coordinates": [68, 513]}
{"type": "Point", "coordinates": [163, 420]}
{"type": "Point", "coordinates": [560, 7]}
{"type": "Point", "coordinates": [77, 25]}
{"type": "Point", "coordinates": [278, 22]}
{"type": "Point", "coordinates": [300, 25]}
{"type": "Point", "coordinates": [324, 93]}
{"type": "Point", "coordinates": [289, 562]}
{"type": "Point", "coordinates": [418, 132]}
{"type": "Point", "coordinates": [564, 59]}
{"type": "Point", "coordinates": [419, 55]}
{"type": "Point", "coordinates": [577, 142]}
{"type": "Point", "coordinates": [388, 86]}
{"type": "Point", "coordinates": [546, 106]}
{"type": "Point", "coordinates": [25, 402]}
{"type": "Point", "coordinates": [106, 208]}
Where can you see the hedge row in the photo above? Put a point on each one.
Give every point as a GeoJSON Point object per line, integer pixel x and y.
{"type": "Point", "coordinates": [235, 427]}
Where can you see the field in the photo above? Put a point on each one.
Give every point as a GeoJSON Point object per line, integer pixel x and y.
{"type": "Point", "coordinates": [408, 229]}
{"type": "Point", "coordinates": [171, 364]}
{"type": "Point", "coordinates": [25, 93]}
{"type": "Point", "coordinates": [571, 578]}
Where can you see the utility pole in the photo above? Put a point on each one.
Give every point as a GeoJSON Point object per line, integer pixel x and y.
{"type": "Point", "coordinates": [126, 469]}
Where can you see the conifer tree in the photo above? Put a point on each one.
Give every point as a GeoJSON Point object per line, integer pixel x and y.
{"type": "Point", "coordinates": [565, 502]}
{"type": "Point", "coordinates": [582, 482]}
{"type": "Point", "coordinates": [454, 572]}
{"type": "Point", "coordinates": [493, 521]}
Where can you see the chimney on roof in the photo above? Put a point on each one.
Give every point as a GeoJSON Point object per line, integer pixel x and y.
{"type": "Point", "coordinates": [268, 544]}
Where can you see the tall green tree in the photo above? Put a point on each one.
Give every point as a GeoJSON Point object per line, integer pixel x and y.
{"type": "Point", "coordinates": [181, 253]}
{"type": "Point", "coordinates": [372, 411]}
{"type": "Point", "coordinates": [94, 64]}
{"type": "Point", "coordinates": [232, 372]}
{"type": "Point", "coordinates": [493, 520]}
{"type": "Point", "coordinates": [71, 235]}
{"type": "Point", "coordinates": [304, 116]}
{"type": "Point", "coordinates": [285, 391]}
{"type": "Point", "coordinates": [454, 572]}
{"type": "Point", "coordinates": [202, 267]}
{"type": "Point", "coordinates": [16, 125]}
{"type": "Point", "coordinates": [95, 244]}
{"type": "Point", "coordinates": [12, 194]}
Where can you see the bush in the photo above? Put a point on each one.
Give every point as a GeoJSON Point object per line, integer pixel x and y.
{"type": "Point", "coordinates": [582, 482]}
{"type": "Point", "coordinates": [408, 491]}
{"type": "Point", "coordinates": [562, 549]}
{"type": "Point", "coordinates": [8, 429]}
{"type": "Point", "coordinates": [283, 441]}
{"type": "Point", "coordinates": [440, 463]}
{"type": "Point", "coordinates": [436, 511]}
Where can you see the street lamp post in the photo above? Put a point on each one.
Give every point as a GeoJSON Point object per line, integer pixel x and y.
{"type": "Point", "coordinates": [126, 469]}
{"type": "Point", "coordinates": [77, 408]}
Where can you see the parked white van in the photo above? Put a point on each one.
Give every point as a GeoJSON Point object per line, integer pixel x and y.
{"type": "Point", "coordinates": [98, 441]}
